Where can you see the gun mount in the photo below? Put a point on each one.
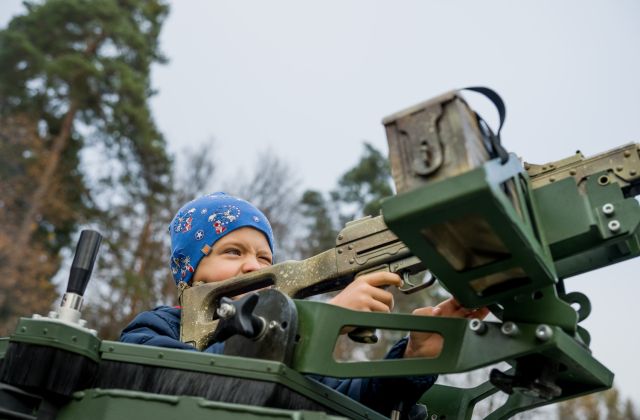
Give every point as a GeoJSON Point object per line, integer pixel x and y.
{"type": "Point", "coordinates": [494, 231]}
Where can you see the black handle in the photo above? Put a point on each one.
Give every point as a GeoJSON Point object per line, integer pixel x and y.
{"type": "Point", "coordinates": [85, 257]}
{"type": "Point", "coordinates": [240, 320]}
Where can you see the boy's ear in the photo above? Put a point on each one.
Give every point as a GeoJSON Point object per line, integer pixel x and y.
{"type": "Point", "coordinates": [206, 249]}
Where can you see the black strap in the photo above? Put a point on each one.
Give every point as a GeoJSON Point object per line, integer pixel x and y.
{"type": "Point", "coordinates": [502, 112]}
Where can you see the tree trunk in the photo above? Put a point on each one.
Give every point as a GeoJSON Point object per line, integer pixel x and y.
{"type": "Point", "coordinates": [28, 225]}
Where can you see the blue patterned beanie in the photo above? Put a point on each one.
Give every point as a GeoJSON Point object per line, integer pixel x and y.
{"type": "Point", "coordinates": [201, 222]}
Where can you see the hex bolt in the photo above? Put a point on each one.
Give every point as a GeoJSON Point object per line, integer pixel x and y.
{"type": "Point", "coordinates": [478, 326]}
{"type": "Point", "coordinates": [608, 209]}
{"type": "Point", "coordinates": [509, 329]}
{"type": "Point", "coordinates": [614, 226]}
{"type": "Point", "coordinates": [544, 332]}
{"type": "Point", "coordinates": [226, 311]}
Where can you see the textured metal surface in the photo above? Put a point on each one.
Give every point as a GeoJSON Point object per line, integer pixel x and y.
{"type": "Point", "coordinates": [433, 140]}
{"type": "Point", "coordinates": [620, 165]}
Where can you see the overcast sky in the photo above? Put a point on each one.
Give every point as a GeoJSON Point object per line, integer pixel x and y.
{"type": "Point", "coordinates": [312, 81]}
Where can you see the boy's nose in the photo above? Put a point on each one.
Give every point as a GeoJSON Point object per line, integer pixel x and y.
{"type": "Point", "coordinates": [250, 264]}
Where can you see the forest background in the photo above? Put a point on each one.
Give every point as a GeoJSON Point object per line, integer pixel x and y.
{"type": "Point", "coordinates": [80, 147]}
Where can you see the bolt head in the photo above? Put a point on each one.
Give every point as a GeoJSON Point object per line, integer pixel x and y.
{"type": "Point", "coordinates": [477, 326]}
{"type": "Point", "coordinates": [226, 311]}
{"type": "Point", "coordinates": [544, 332]}
{"type": "Point", "coordinates": [614, 226]}
{"type": "Point", "coordinates": [509, 329]}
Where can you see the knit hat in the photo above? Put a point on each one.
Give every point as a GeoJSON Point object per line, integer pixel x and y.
{"type": "Point", "coordinates": [202, 222]}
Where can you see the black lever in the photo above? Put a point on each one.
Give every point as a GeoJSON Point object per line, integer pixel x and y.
{"type": "Point", "coordinates": [236, 317]}
{"type": "Point", "coordinates": [85, 257]}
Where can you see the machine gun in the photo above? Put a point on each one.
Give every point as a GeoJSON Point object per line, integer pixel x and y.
{"type": "Point", "coordinates": [494, 231]}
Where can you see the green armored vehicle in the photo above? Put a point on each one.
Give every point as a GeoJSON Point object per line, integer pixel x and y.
{"type": "Point", "coordinates": [494, 231]}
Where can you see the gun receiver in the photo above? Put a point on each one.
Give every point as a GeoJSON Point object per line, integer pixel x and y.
{"type": "Point", "coordinates": [621, 165]}
{"type": "Point", "coordinates": [587, 208]}
{"type": "Point", "coordinates": [363, 245]}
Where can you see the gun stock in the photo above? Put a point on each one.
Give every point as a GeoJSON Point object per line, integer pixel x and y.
{"type": "Point", "coordinates": [363, 245]}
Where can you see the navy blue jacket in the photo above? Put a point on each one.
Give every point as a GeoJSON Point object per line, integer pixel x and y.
{"type": "Point", "coordinates": [161, 327]}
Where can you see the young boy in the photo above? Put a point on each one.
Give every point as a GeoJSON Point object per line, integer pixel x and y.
{"type": "Point", "coordinates": [217, 237]}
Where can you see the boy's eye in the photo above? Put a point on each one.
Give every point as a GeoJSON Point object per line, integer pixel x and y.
{"type": "Point", "coordinates": [232, 251]}
{"type": "Point", "coordinates": [266, 259]}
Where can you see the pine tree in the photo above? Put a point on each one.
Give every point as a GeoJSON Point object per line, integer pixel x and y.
{"type": "Point", "coordinates": [320, 225]}
{"type": "Point", "coordinates": [78, 73]}
{"type": "Point", "coordinates": [365, 185]}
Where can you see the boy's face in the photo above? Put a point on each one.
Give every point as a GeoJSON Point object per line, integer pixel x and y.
{"type": "Point", "coordinates": [239, 252]}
